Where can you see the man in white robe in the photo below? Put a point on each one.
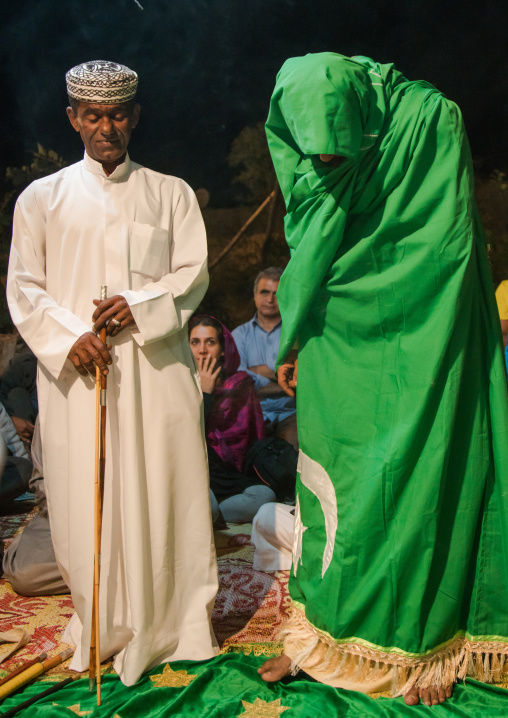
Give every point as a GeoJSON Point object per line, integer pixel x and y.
{"type": "Point", "coordinates": [109, 221]}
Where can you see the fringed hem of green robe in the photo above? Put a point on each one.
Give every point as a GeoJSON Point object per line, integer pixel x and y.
{"type": "Point", "coordinates": [354, 659]}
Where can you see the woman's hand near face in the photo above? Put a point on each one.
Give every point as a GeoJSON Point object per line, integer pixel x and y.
{"type": "Point", "coordinates": [209, 370]}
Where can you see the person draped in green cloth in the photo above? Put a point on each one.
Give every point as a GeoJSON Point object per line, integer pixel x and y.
{"type": "Point", "coordinates": [400, 561]}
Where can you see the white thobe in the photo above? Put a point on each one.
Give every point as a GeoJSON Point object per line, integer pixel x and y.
{"type": "Point", "coordinates": [140, 233]}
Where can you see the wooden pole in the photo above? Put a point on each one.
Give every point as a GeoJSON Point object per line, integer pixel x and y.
{"type": "Point", "coordinates": [42, 657]}
{"type": "Point", "coordinates": [31, 701]}
{"type": "Point", "coordinates": [242, 230]}
{"type": "Point", "coordinates": [32, 672]}
{"type": "Point", "coordinates": [100, 457]}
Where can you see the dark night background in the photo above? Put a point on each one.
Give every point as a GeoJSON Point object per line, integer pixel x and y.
{"type": "Point", "coordinates": [207, 68]}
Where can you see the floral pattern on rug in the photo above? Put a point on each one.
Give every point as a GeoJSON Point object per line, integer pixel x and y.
{"type": "Point", "coordinates": [232, 539]}
{"type": "Point", "coordinates": [43, 617]}
{"type": "Point", "coordinates": [251, 605]}
{"type": "Point", "coordinates": [249, 610]}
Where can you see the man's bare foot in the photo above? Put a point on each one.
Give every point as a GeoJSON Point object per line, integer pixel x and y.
{"type": "Point", "coordinates": [275, 668]}
{"type": "Point", "coordinates": [428, 696]}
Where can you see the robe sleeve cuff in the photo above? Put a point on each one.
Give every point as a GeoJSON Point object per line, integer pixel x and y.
{"type": "Point", "coordinates": [154, 313]}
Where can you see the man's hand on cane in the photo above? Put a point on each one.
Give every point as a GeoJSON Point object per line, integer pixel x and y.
{"type": "Point", "coordinates": [114, 313]}
{"type": "Point", "coordinates": [87, 352]}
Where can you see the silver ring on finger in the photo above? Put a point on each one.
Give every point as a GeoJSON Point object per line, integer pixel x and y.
{"type": "Point", "coordinates": [116, 322]}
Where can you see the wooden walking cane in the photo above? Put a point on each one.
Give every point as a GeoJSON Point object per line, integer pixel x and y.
{"type": "Point", "coordinates": [94, 671]}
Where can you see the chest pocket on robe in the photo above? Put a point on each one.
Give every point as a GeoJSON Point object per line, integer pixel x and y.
{"type": "Point", "coordinates": [148, 250]}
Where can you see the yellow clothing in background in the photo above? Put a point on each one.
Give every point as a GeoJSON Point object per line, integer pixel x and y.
{"type": "Point", "coordinates": [502, 299]}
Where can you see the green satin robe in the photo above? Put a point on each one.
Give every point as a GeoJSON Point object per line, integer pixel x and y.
{"type": "Point", "coordinates": [402, 532]}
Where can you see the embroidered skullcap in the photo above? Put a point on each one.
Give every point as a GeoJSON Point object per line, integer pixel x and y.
{"type": "Point", "coordinates": [102, 82]}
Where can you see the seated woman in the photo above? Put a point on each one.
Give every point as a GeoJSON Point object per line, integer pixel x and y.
{"type": "Point", "coordinates": [233, 420]}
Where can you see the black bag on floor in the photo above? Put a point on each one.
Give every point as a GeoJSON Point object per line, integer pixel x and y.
{"type": "Point", "coordinates": [273, 461]}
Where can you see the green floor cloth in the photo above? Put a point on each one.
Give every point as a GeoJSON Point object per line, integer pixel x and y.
{"type": "Point", "coordinates": [220, 686]}
{"type": "Point", "coordinates": [402, 516]}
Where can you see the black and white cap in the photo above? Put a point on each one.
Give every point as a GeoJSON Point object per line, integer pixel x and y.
{"type": "Point", "coordinates": [101, 82]}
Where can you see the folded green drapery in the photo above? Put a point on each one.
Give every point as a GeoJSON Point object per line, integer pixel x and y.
{"type": "Point", "coordinates": [228, 686]}
{"type": "Point", "coordinates": [402, 518]}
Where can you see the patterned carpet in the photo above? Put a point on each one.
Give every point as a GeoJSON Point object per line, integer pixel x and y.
{"type": "Point", "coordinates": [250, 606]}
{"type": "Point", "coordinates": [15, 520]}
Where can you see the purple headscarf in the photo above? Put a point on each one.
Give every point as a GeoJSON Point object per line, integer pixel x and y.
{"type": "Point", "coordinates": [236, 420]}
